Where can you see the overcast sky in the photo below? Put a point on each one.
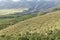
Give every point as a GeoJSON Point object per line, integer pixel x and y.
{"type": "Point", "coordinates": [28, 0]}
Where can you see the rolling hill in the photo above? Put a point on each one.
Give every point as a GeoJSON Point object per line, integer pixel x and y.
{"type": "Point", "coordinates": [39, 24]}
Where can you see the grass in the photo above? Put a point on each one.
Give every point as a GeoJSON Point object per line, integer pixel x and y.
{"type": "Point", "coordinates": [13, 19]}
{"type": "Point", "coordinates": [40, 24]}
{"type": "Point", "coordinates": [45, 27]}
{"type": "Point", "coordinates": [11, 11]}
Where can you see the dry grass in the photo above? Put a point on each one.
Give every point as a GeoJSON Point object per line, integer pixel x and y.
{"type": "Point", "coordinates": [11, 11]}
{"type": "Point", "coordinates": [40, 24]}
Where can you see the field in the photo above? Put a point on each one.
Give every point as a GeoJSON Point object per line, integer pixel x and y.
{"type": "Point", "coordinates": [45, 27]}
{"type": "Point", "coordinates": [11, 11]}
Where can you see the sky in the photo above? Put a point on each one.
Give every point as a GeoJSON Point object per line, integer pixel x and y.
{"type": "Point", "coordinates": [15, 0]}
{"type": "Point", "coordinates": [28, 0]}
{"type": "Point", "coordinates": [11, 0]}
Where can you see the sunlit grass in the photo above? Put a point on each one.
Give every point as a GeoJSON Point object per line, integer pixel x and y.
{"type": "Point", "coordinates": [39, 24]}
{"type": "Point", "coordinates": [46, 27]}
{"type": "Point", "coordinates": [11, 11]}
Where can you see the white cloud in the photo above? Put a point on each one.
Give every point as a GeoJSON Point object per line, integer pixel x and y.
{"type": "Point", "coordinates": [29, 0]}
{"type": "Point", "coordinates": [15, 0]}
{"type": "Point", "coordinates": [0, 0]}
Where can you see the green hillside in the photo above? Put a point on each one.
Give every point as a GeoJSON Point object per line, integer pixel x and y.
{"type": "Point", "coordinates": [8, 20]}
{"type": "Point", "coordinates": [45, 27]}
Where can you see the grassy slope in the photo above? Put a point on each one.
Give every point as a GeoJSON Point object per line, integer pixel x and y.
{"type": "Point", "coordinates": [13, 19]}
{"type": "Point", "coordinates": [40, 24]}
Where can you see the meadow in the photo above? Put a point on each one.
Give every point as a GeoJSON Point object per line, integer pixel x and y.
{"type": "Point", "coordinates": [11, 11]}
{"type": "Point", "coordinates": [45, 27]}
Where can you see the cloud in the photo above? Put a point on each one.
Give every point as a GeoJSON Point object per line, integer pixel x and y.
{"type": "Point", "coordinates": [15, 0]}
{"type": "Point", "coordinates": [21, 0]}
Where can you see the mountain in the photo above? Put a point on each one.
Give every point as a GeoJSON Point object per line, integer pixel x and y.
{"type": "Point", "coordinates": [30, 20]}
{"type": "Point", "coordinates": [27, 4]}
{"type": "Point", "coordinates": [39, 24]}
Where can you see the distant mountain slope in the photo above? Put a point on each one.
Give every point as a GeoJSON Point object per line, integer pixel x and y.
{"type": "Point", "coordinates": [27, 4]}
{"type": "Point", "coordinates": [39, 24]}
